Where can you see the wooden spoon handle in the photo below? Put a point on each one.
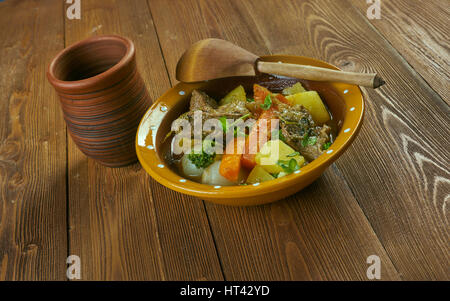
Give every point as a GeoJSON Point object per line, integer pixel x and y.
{"type": "Point", "coordinates": [371, 80]}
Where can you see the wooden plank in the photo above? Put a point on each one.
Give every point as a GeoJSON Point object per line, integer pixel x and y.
{"type": "Point", "coordinates": [33, 228]}
{"type": "Point", "coordinates": [123, 224]}
{"type": "Point", "coordinates": [419, 31]}
{"type": "Point", "coordinates": [320, 233]}
{"type": "Point", "coordinates": [398, 166]}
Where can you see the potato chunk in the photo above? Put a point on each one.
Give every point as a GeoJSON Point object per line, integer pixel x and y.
{"type": "Point", "coordinates": [237, 93]}
{"type": "Point", "coordinates": [296, 88]}
{"type": "Point", "coordinates": [259, 175]}
{"type": "Point", "coordinates": [274, 152]}
{"type": "Point", "coordinates": [313, 103]}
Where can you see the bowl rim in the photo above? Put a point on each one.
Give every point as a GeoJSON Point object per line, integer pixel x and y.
{"type": "Point", "coordinates": [172, 180]}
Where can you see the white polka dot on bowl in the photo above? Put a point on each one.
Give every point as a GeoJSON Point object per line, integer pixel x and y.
{"type": "Point", "coordinates": [163, 109]}
{"type": "Point", "coordinates": [347, 130]}
{"type": "Point", "coordinates": [345, 91]}
{"type": "Point", "coordinates": [161, 165]}
{"type": "Point", "coordinates": [181, 92]}
{"type": "Point", "coordinates": [352, 109]}
{"type": "Point", "coordinates": [297, 171]}
{"type": "Point", "coordinates": [217, 186]}
{"type": "Point", "coordinates": [330, 151]}
{"type": "Point", "coordinates": [256, 184]}
{"type": "Point", "coordinates": [150, 147]}
{"type": "Point", "coordinates": [183, 180]}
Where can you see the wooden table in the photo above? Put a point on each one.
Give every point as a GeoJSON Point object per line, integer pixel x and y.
{"type": "Point", "coordinates": [387, 195]}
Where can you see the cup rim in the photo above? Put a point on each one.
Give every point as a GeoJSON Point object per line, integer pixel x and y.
{"type": "Point", "coordinates": [95, 80]}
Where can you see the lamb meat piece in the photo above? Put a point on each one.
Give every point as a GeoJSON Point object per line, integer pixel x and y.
{"type": "Point", "coordinates": [201, 101]}
{"type": "Point", "coordinates": [296, 125]}
{"type": "Point", "coordinates": [234, 109]}
{"type": "Point", "coordinates": [209, 109]}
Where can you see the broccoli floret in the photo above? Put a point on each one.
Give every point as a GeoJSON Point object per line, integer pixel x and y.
{"type": "Point", "coordinates": [202, 160]}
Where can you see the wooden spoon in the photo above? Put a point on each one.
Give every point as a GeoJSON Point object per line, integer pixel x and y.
{"type": "Point", "coordinates": [214, 58]}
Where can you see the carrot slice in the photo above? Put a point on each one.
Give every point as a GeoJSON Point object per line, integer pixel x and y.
{"type": "Point", "coordinates": [259, 135]}
{"type": "Point", "coordinates": [231, 161]}
{"type": "Point", "coordinates": [282, 99]}
{"type": "Point", "coordinates": [260, 93]}
{"type": "Point", "coordinates": [261, 131]}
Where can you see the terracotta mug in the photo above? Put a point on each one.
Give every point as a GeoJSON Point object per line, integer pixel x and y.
{"type": "Point", "coordinates": [102, 96]}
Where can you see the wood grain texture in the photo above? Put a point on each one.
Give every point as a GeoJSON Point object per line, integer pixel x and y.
{"type": "Point", "coordinates": [33, 231]}
{"type": "Point", "coordinates": [387, 195]}
{"type": "Point", "coordinates": [320, 233]}
{"type": "Point", "coordinates": [398, 166]}
{"type": "Point", "coordinates": [419, 31]}
{"type": "Point", "coordinates": [123, 224]}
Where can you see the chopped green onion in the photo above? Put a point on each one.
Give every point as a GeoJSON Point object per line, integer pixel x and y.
{"type": "Point", "coordinates": [223, 122]}
{"type": "Point", "coordinates": [308, 140]}
{"type": "Point", "coordinates": [293, 154]}
{"type": "Point", "coordinates": [239, 133]}
{"type": "Point", "coordinates": [326, 146]}
{"type": "Point", "coordinates": [226, 126]}
{"type": "Point", "coordinates": [267, 103]}
{"type": "Point", "coordinates": [289, 166]}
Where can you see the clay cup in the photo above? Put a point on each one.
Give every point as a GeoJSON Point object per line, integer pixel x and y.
{"type": "Point", "coordinates": [102, 97]}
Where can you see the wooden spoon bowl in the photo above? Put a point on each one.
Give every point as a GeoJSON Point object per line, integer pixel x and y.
{"type": "Point", "coordinates": [215, 58]}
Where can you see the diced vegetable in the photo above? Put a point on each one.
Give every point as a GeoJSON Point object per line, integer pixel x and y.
{"type": "Point", "coordinates": [282, 99]}
{"type": "Point", "coordinates": [296, 88]}
{"type": "Point", "coordinates": [260, 93]}
{"type": "Point", "coordinates": [237, 94]}
{"type": "Point", "coordinates": [190, 170]}
{"type": "Point", "coordinates": [274, 152]}
{"type": "Point", "coordinates": [259, 175]}
{"type": "Point", "coordinates": [262, 128]}
{"type": "Point", "coordinates": [313, 103]}
{"type": "Point", "coordinates": [231, 160]}
{"type": "Point", "coordinates": [212, 176]}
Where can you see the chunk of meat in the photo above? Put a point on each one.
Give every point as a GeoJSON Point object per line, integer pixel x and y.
{"type": "Point", "coordinates": [207, 106]}
{"type": "Point", "coordinates": [201, 101]}
{"type": "Point", "coordinates": [301, 133]}
{"type": "Point", "coordinates": [234, 109]}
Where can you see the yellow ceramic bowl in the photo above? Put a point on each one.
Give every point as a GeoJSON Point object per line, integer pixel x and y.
{"type": "Point", "coordinates": [344, 101]}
